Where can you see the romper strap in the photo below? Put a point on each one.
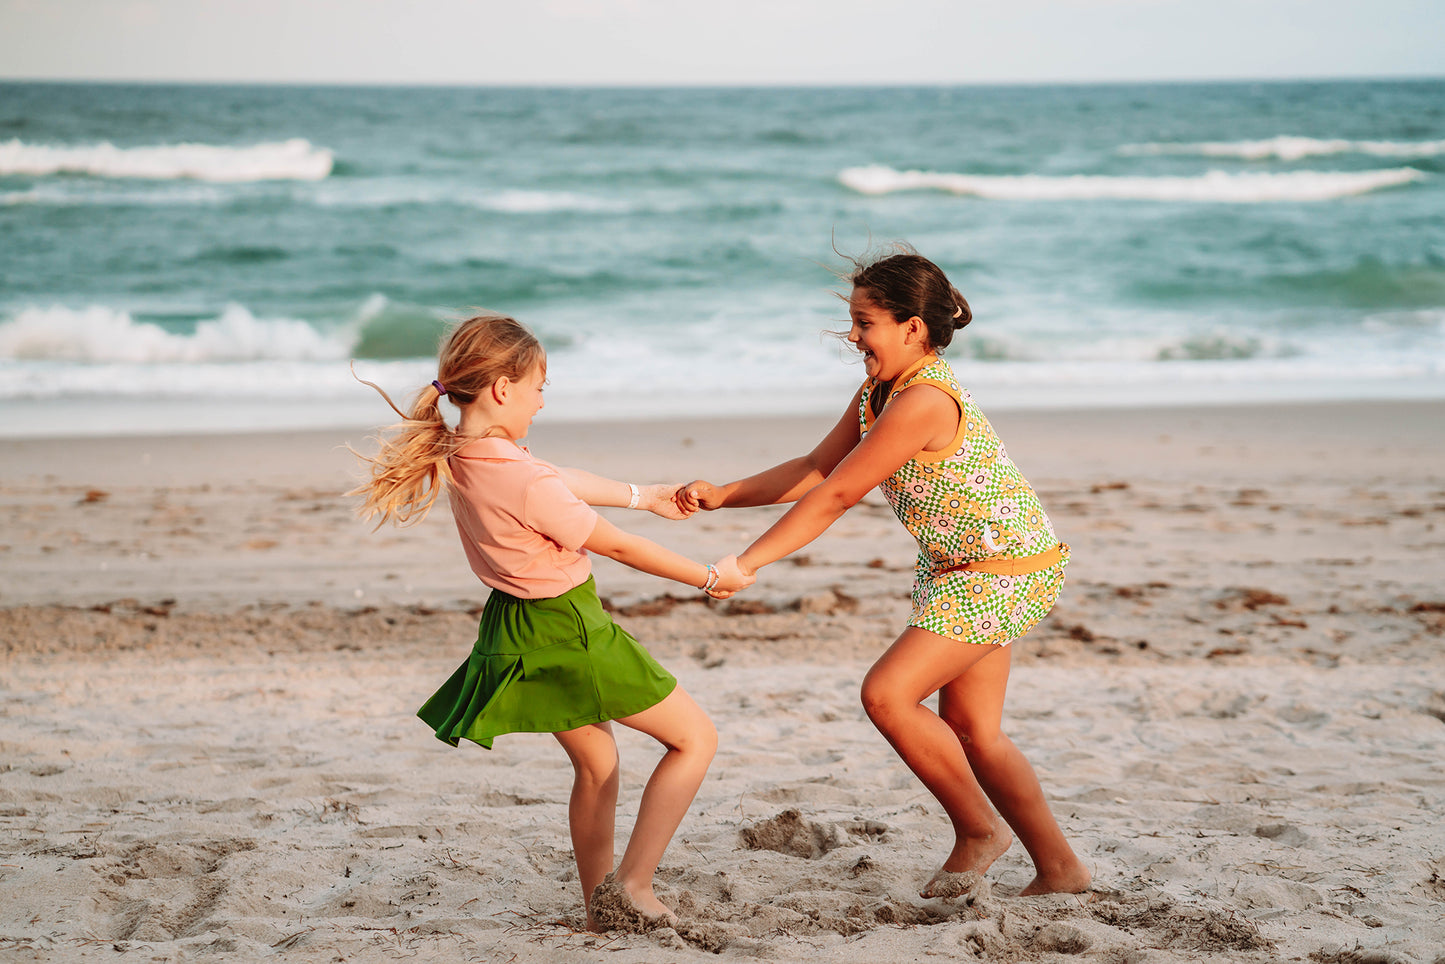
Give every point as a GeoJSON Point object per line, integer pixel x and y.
{"type": "Point", "coordinates": [1015, 567]}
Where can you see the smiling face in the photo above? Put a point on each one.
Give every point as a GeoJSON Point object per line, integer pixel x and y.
{"type": "Point", "coordinates": [887, 345]}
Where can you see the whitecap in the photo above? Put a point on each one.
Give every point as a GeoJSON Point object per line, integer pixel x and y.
{"type": "Point", "coordinates": [293, 160]}
{"type": "Point", "coordinates": [1288, 148]}
{"type": "Point", "coordinates": [100, 335]}
{"type": "Point", "coordinates": [544, 202]}
{"type": "Point", "coordinates": [1215, 186]}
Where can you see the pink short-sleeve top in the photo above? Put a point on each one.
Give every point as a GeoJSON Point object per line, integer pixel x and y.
{"type": "Point", "coordinates": [521, 526]}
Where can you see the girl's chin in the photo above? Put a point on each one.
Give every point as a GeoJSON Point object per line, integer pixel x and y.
{"type": "Point", "coordinates": [874, 370]}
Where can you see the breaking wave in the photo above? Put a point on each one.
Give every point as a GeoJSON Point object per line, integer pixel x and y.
{"type": "Point", "coordinates": [1287, 148]}
{"type": "Point", "coordinates": [293, 160]}
{"type": "Point", "coordinates": [98, 335]}
{"type": "Point", "coordinates": [1215, 186]}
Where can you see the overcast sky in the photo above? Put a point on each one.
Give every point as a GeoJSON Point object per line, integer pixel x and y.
{"type": "Point", "coordinates": [729, 42]}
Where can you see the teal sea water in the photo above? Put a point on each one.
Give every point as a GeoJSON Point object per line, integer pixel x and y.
{"type": "Point", "coordinates": [193, 257]}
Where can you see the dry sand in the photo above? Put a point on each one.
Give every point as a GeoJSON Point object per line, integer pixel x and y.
{"type": "Point", "coordinates": [209, 670]}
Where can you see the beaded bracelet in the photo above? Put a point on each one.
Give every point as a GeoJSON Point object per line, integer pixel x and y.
{"type": "Point", "coordinates": [712, 578]}
{"type": "Point", "coordinates": [632, 503]}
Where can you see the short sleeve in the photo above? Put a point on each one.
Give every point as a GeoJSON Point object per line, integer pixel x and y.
{"type": "Point", "coordinates": [551, 509]}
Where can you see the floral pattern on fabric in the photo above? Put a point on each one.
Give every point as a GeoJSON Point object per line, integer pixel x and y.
{"type": "Point", "coordinates": [965, 504]}
{"type": "Point", "coordinates": [991, 610]}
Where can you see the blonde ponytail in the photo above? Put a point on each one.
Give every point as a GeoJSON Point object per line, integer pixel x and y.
{"type": "Point", "coordinates": [411, 464]}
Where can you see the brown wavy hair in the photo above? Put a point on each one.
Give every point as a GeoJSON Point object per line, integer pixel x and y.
{"type": "Point", "coordinates": [905, 284]}
{"type": "Point", "coordinates": [409, 469]}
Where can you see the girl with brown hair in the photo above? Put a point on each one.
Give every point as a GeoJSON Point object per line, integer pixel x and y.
{"type": "Point", "coordinates": [989, 565]}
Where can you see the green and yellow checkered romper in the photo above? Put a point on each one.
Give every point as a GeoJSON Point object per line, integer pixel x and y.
{"type": "Point", "coordinates": [989, 564]}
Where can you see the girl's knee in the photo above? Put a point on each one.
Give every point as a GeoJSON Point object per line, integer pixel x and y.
{"type": "Point", "coordinates": [697, 735]}
{"type": "Point", "coordinates": [880, 700]}
{"type": "Point", "coordinates": [594, 762]}
{"type": "Point", "coordinates": [698, 739]}
{"type": "Point", "coordinates": [702, 740]}
{"type": "Point", "coordinates": [595, 771]}
{"type": "Point", "coordinates": [976, 735]}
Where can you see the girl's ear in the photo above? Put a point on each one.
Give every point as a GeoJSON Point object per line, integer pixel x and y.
{"type": "Point", "coordinates": [916, 330]}
{"type": "Point", "coordinates": [500, 389]}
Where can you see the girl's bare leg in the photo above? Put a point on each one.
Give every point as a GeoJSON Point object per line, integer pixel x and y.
{"type": "Point", "coordinates": [592, 810]}
{"type": "Point", "coordinates": [681, 726]}
{"type": "Point", "coordinates": [972, 706]}
{"type": "Point", "coordinates": [918, 664]}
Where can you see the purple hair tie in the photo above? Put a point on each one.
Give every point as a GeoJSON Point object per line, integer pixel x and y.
{"type": "Point", "coordinates": [441, 389]}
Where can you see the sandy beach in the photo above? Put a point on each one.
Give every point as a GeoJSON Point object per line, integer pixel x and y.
{"type": "Point", "coordinates": [209, 669]}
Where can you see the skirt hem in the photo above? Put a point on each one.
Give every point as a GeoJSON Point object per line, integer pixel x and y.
{"type": "Point", "coordinates": [545, 666]}
{"type": "Point", "coordinates": [484, 740]}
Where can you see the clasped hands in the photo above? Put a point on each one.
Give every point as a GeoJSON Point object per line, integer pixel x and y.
{"type": "Point", "coordinates": [681, 502]}
{"type": "Point", "coordinates": [731, 578]}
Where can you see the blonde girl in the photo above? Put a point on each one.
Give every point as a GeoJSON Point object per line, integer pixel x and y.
{"type": "Point", "coordinates": [989, 565]}
{"type": "Point", "coordinates": [547, 657]}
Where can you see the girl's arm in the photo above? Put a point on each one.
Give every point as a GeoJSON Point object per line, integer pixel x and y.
{"type": "Point", "coordinates": [786, 482]}
{"type": "Point", "coordinates": [596, 490]}
{"type": "Point", "coordinates": [906, 426]}
{"type": "Point", "coordinates": [647, 556]}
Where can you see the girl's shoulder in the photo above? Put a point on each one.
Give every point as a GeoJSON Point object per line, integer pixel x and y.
{"type": "Point", "coordinates": [486, 464]}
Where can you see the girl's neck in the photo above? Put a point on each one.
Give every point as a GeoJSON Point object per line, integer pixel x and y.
{"type": "Point", "coordinates": [883, 389]}
{"type": "Point", "coordinates": [475, 423]}
{"type": "Point", "coordinates": [909, 367]}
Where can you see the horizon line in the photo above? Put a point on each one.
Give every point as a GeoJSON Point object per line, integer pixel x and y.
{"type": "Point", "coordinates": [720, 85]}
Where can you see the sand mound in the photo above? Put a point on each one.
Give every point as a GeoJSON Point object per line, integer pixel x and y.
{"type": "Point", "coordinates": [789, 833]}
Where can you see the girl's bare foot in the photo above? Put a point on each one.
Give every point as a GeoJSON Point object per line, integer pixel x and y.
{"type": "Point", "coordinates": [614, 907]}
{"type": "Point", "coordinates": [964, 869]}
{"type": "Point", "coordinates": [946, 884]}
{"type": "Point", "coordinates": [1073, 879]}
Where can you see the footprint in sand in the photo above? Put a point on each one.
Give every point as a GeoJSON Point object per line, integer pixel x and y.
{"type": "Point", "coordinates": [166, 889]}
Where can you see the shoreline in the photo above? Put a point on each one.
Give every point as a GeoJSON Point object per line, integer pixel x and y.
{"type": "Point", "coordinates": [1236, 415]}
{"type": "Point", "coordinates": [181, 415]}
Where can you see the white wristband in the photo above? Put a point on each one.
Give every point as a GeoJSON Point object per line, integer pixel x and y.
{"type": "Point", "coordinates": [632, 503]}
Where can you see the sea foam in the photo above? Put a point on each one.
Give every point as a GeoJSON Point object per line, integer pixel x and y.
{"type": "Point", "coordinates": [398, 192]}
{"type": "Point", "coordinates": [77, 193]}
{"type": "Point", "coordinates": [293, 160]}
{"type": "Point", "coordinates": [98, 335]}
{"type": "Point", "coordinates": [1215, 186]}
{"type": "Point", "coordinates": [1287, 148]}
{"type": "Point", "coordinates": [545, 202]}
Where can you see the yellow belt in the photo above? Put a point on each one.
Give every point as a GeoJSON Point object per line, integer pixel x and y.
{"type": "Point", "coordinates": [1013, 567]}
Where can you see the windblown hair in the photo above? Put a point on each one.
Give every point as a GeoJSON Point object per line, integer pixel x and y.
{"type": "Point", "coordinates": [906, 284]}
{"type": "Point", "coordinates": [410, 467]}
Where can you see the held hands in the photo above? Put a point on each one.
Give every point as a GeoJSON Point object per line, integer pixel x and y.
{"type": "Point", "coordinates": [698, 495]}
{"type": "Point", "coordinates": [731, 578]}
{"type": "Point", "coordinates": [665, 500]}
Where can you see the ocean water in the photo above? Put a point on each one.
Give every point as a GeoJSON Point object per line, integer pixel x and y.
{"type": "Point", "coordinates": [175, 258]}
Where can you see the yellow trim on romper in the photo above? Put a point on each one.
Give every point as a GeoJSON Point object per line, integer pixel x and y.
{"type": "Point", "coordinates": [1014, 567]}
{"type": "Point", "coordinates": [938, 455]}
{"type": "Point", "coordinates": [925, 458]}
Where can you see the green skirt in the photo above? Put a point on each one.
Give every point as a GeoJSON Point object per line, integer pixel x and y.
{"type": "Point", "coordinates": [545, 666]}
